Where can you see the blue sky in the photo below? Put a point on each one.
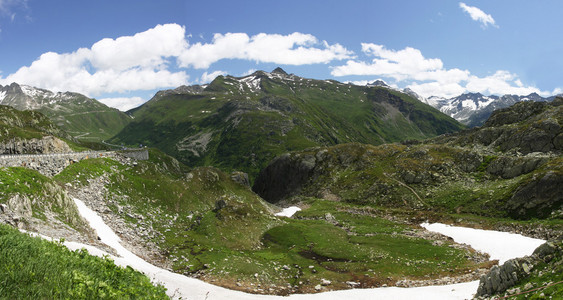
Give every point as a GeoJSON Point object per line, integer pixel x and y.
{"type": "Point", "coordinates": [122, 52]}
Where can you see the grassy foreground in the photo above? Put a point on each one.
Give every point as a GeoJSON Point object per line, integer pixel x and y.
{"type": "Point", "coordinates": [32, 268]}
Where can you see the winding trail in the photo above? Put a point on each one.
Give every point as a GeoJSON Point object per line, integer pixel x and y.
{"type": "Point", "coordinates": [180, 286]}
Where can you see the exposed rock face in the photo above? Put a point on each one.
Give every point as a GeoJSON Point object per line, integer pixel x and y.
{"type": "Point", "coordinates": [510, 167]}
{"type": "Point", "coordinates": [499, 279]}
{"type": "Point", "coordinates": [47, 144]}
{"type": "Point", "coordinates": [284, 177]}
{"type": "Point", "coordinates": [538, 198]}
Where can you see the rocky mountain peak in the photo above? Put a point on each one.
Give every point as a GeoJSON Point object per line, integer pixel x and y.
{"type": "Point", "coordinates": [379, 82]}
{"type": "Point", "coordinates": [280, 71]}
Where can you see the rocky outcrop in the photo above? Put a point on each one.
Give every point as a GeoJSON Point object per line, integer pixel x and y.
{"type": "Point", "coordinates": [47, 144]}
{"type": "Point", "coordinates": [510, 167]}
{"type": "Point", "coordinates": [240, 178]}
{"type": "Point", "coordinates": [284, 177]}
{"type": "Point", "coordinates": [539, 198]}
{"type": "Point", "coordinates": [501, 278]}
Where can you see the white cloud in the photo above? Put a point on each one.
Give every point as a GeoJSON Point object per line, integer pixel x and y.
{"type": "Point", "coordinates": [478, 15]}
{"type": "Point", "coordinates": [206, 78]}
{"type": "Point", "coordinates": [399, 65]}
{"type": "Point", "coordinates": [148, 49]}
{"type": "Point", "coordinates": [8, 8]}
{"type": "Point", "coordinates": [500, 83]}
{"type": "Point", "coordinates": [435, 88]}
{"type": "Point", "coordinates": [250, 71]}
{"type": "Point", "coordinates": [154, 59]}
{"type": "Point", "coordinates": [124, 103]}
{"type": "Point", "coordinates": [293, 49]}
{"type": "Point", "coordinates": [428, 77]}
{"type": "Point", "coordinates": [125, 64]}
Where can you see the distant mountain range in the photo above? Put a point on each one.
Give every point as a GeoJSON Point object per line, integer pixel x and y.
{"type": "Point", "coordinates": [471, 109]}
{"type": "Point", "coordinates": [82, 117]}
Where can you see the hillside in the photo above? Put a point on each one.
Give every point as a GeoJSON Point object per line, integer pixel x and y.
{"type": "Point", "coordinates": [25, 132]}
{"type": "Point", "coordinates": [208, 224]}
{"type": "Point", "coordinates": [82, 117]}
{"type": "Point", "coordinates": [241, 123]}
{"type": "Point", "coordinates": [510, 168]}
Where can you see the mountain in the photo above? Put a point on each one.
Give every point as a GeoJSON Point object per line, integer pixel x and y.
{"type": "Point", "coordinates": [84, 118]}
{"type": "Point", "coordinates": [473, 109]}
{"type": "Point", "coordinates": [241, 123]}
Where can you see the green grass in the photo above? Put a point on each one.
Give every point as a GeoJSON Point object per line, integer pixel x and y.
{"type": "Point", "coordinates": [33, 268]}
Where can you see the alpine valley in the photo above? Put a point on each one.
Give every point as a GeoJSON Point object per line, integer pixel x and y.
{"type": "Point", "coordinates": [365, 164]}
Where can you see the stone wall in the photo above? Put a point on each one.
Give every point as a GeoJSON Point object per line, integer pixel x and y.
{"type": "Point", "coordinates": [138, 154]}
{"type": "Point", "coordinates": [53, 163]}
{"type": "Point", "coordinates": [49, 164]}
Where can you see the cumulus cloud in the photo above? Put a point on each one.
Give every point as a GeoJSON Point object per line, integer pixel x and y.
{"type": "Point", "coordinates": [129, 63]}
{"type": "Point", "coordinates": [293, 49]}
{"type": "Point", "coordinates": [148, 49]}
{"type": "Point", "coordinates": [208, 77]}
{"type": "Point", "coordinates": [123, 103]}
{"type": "Point", "coordinates": [478, 15]}
{"type": "Point", "coordinates": [399, 65]}
{"type": "Point", "coordinates": [428, 77]}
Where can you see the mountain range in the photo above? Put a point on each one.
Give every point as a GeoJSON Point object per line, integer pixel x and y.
{"type": "Point", "coordinates": [241, 123]}
{"type": "Point", "coordinates": [471, 109]}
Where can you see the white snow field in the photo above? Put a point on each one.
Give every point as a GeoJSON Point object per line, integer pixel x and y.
{"type": "Point", "coordinates": [288, 212]}
{"type": "Point", "coordinates": [499, 245]}
{"type": "Point", "coordinates": [190, 288]}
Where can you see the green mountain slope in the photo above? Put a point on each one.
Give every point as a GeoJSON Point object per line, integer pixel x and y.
{"type": "Point", "coordinates": [243, 122]}
{"type": "Point", "coordinates": [15, 124]}
{"type": "Point", "coordinates": [84, 118]}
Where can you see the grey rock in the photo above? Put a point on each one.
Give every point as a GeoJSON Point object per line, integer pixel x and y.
{"type": "Point", "coordinates": [240, 178]}
{"type": "Point", "coordinates": [537, 198]}
{"type": "Point", "coordinates": [502, 278]}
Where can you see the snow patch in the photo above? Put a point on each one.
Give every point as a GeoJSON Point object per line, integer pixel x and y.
{"type": "Point", "coordinates": [499, 245]}
{"type": "Point", "coordinates": [468, 104]}
{"type": "Point", "coordinates": [288, 212]}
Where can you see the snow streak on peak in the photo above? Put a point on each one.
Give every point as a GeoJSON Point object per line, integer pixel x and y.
{"type": "Point", "coordinates": [252, 82]}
